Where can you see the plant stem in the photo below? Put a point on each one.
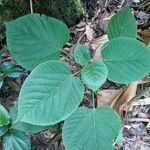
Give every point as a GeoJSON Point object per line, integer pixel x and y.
{"type": "Point", "coordinates": [31, 6]}
{"type": "Point", "coordinates": [68, 54]}
{"type": "Point", "coordinates": [93, 99]}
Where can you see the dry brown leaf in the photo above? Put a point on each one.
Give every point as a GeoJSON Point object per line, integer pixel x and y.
{"type": "Point", "coordinates": [145, 80]}
{"type": "Point", "coordinates": [127, 95]}
{"type": "Point", "coordinates": [89, 32]}
{"type": "Point", "coordinates": [145, 35]}
{"type": "Point", "coordinates": [81, 24]}
{"type": "Point", "coordinates": [106, 97]}
{"type": "Point", "coordinates": [97, 44]}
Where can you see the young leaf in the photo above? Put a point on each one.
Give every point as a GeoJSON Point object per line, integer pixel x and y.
{"type": "Point", "coordinates": [4, 116]}
{"type": "Point", "coordinates": [49, 94]}
{"type": "Point", "coordinates": [35, 38]}
{"type": "Point", "coordinates": [3, 130]}
{"type": "Point", "coordinates": [94, 74]}
{"type": "Point", "coordinates": [127, 60]}
{"type": "Point", "coordinates": [91, 129]}
{"type": "Point", "coordinates": [16, 140]}
{"type": "Point", "coordinates": [82, 54]}
{"type": "Point", "coordinates": [122, 24]}
{"type": "Point", "coordinates": [15, 73]}
{"type": "Point", "coordinates": [26, 127]}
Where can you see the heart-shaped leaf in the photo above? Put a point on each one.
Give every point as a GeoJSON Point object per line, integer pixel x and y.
{"type": "Point", "coordinates": [90, 129]}
{"type": "Point", "coordinates": [16, 140]}
{"type": "Point", "coordinates": [49, 94]}
{"type": "Point", "coordinates": [35, 38]}
{"type": "Point", "coordinates": [123, 24]}
{"type": "Point", "coordinates": [94, 74]}
{"type": "Point", "coordinates": [82, 54]}
{"type": "Point", "coordinates": [127, 60]}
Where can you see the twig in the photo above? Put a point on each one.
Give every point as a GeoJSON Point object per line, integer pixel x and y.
{"type": "Point", "coordinates": [79, 40]}
{"type": "Point", "coordinates": [93, 99]}
{"type": "Point", "coordinates": [31, 6]}
{"type": "Point", "coordinates": [67, 54]}
{"type": "Point", "coordinates": [138, 120]}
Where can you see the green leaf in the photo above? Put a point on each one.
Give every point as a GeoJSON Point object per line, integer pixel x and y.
{"type": "Point", "coordinates": [4, 116]}
{"type": "Point", "coordinates": [36, 38]}
{"type": "Point", "coordinates": [1, 2]}
{"type": "Point", "coordinates": [50, 94]}
{"type": "Point", "coordinates": [119, 138]}
{"type": "Point", "coordinates": [91, 129]}
{"type": "Point", "coordinates": [94, 74]}
{"type": "Point", "coordinates": [122, 24]}
{"type": "Point", "coordinates": [127, 59]}
{"type": "Point", "coordinates": [15, 73]}
{"type": "Point", "coordinates": [82, 54]}
{"type": "Point", "coordinates": [3, 130]}
{"type": "Point", "coordinates": [16, 140]}
{"type": "Point", "coordinates": [26, 127]}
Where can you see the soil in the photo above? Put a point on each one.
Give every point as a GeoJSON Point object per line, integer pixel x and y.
{"type": "Point", "coordinates": [136, 122]}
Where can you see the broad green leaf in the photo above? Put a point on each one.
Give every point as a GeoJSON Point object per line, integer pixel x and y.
{"type": "Point", "coordinates": [123, 24]}
{"type": "Point", "coordinates": [3, 130]}
{"type": "Point", "coordinates": [4, 116]}
{"type": "Point", "coordinates": [94, 74]}
{"type": "Point", "coordinates": [50, 94]}
{"type": "Point", "coordinates": [23, 126]}
{"type": "Point", "coordinates": [35, 38]}
{"type": "Point", "coordinates": [127, 60]}
{"type": "Point", "coordinates": [82, 54]}
{"type": "Point", "coordinates": [91, 129]}
{"type": "Point", "coordinates": [16, 140]}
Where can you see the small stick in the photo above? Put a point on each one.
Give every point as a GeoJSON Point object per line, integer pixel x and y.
{"type": "Point", "coordinates": [31, 6]}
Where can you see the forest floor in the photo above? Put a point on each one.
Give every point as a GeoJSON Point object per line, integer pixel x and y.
{"type": "Point", "coordinates": [91, 31]}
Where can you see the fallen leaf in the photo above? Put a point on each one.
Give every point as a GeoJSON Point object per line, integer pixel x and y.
{"type": "Point", "coordinates": [106, 97]}
{"type": "Point", "coordinates": [97, 45]}
{"type": "Point", "coordinates": [126, 96]}
{"type": "Point", "coordinates": [89, 32]}
{"type": "Point", "coordinates": [145, 35]}
{"type": "Point", "coordinates": [145, 80]}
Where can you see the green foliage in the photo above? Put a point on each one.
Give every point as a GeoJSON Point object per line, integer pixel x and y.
{"type": "Point", "coordinates": [3, 130]}
{"type": "Point", "coordinates": [8, 69]}
{"type": "Point", "coordinates": [4, 116]}
{"type": "Point", "coordinates": [35, 38]}
{"type": "Point", "coordinates": [94, 74]}
{"type": "Point", "coordinates": [1, 2]}
{"type": "Point", "coordinates": [91, 129]}
{"type": "Point", "coordinates": [16, 140]}
{"type": "Point", "coordinates": [50, 92]}
{"type": "Point", "coordinates": [127, 60]}
{"type": "Point", "coordinates": [67, 10]}
{"type": "Point", "coordinates": [23, 126]}
{"type": "Point", "coordinates": [123, 24]}
{"type": "Point", "coordinates": [82, 54]}
{"type": "Point", "coordinates": [12, 139]}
